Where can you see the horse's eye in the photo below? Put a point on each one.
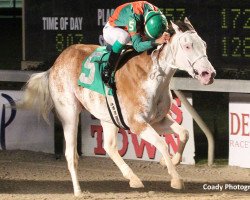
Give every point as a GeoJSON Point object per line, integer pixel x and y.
{"type": "Point", "coordinates": [187, 47]}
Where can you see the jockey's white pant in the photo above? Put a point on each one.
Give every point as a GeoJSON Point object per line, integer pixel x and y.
{"type": "Point", "coordinates": [112, 34]}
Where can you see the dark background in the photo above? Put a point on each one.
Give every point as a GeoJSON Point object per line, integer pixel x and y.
{"type": "Point", "coordinates": [225, 45]}
{"type": "Point", "coordinates": [204, 15]}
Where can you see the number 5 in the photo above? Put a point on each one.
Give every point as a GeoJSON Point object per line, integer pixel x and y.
{"type": "Point", "coordinates": [90, 78]}
{"type": "Point", "coordinates": [131, 25]}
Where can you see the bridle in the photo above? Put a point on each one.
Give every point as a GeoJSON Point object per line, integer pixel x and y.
{"type": "Point", "coordinates": [174, 52]}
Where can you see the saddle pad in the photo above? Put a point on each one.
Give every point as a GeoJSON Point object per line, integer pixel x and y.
{"type": "Point", "coordinates": [92, 68]}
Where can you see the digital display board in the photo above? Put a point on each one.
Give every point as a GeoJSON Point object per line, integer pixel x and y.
{"type": "Point", "coordinates": [52, 25]}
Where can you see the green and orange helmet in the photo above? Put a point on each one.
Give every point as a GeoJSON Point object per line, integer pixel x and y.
{"type": "Point", "coordinates": [155, 24]}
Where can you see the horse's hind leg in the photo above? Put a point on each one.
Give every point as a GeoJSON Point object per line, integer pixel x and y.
{"type": "Point", "coordinates": [110, 145]}
{"type": "Point", "coordinates": [68, 113]}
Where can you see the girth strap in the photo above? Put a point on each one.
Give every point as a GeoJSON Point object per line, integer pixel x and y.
{"type": "Point", "coordinates": [115, 109]}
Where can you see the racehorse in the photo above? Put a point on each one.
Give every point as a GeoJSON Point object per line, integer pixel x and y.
{"type": "Point", "coordinates": [143, 92]}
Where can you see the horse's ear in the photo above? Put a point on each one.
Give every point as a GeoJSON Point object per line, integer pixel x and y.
{"type": "Point", "coordinates": [186, 20]}
{"type": "Point", "coordinates": [175, 27]}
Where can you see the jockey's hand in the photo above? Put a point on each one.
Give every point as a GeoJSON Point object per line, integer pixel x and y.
{"type": "Point", "coordinates": [163, 39]}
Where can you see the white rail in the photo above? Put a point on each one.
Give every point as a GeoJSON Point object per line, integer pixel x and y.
{"type": "Point", "coordinates": [15, 75]}
{"type": "Point", "coordinates": [201, 124]}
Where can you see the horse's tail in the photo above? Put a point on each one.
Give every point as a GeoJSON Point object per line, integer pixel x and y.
{"type": "Point", "coordinates": [37, 95]}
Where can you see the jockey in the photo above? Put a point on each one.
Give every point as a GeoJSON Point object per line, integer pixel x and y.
{"type": "Point", "coordinates": [138, 22]}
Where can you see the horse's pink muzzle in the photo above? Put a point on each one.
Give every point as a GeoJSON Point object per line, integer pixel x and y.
{"type": "Point", "coordinates": [207, 77]}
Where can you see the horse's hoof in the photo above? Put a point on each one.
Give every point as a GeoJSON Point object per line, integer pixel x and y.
{"type": "Point", "coordinates": [77, 193]}
{"type": "Point", "coordinates": [135, 182]}
{"type": "Point", "coordinates": [177, 184]}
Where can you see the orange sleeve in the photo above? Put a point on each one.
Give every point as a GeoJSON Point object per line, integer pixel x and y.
{"type": "Point", "coordinates": [138, 7]}
{"type": "Point", "coordinates": [116, 14]}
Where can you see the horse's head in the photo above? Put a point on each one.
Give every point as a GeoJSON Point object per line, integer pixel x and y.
{"type": "Point", "coordinates": [189, 53]}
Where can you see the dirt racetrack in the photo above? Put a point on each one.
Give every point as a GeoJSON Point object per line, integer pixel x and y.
{"type": "Point", "coordinates": [27, 175]}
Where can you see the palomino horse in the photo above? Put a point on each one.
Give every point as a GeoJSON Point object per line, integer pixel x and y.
{"type": "Point", "coordinates": [143, 92]}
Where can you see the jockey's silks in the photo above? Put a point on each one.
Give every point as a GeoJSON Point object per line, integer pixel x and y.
{"type": "Point", "coordinates": [130, 17]}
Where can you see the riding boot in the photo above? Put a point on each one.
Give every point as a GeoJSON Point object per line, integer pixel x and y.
{"type": "Point", "coordinates": [108, 70]}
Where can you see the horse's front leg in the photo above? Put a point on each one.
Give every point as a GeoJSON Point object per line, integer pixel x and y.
{"type": "Point", "coordinates": [149, 134]}
{"type": "Point", "coordinates": [110, 145]}
{"type": "Point", "coordinates": [168, 125]}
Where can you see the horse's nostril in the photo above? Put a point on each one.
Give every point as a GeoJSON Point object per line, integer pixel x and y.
{"type": "Point", "coordinates": [204, 73]}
